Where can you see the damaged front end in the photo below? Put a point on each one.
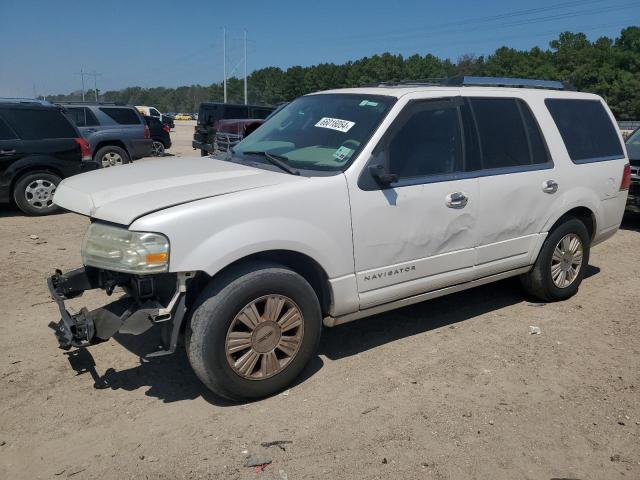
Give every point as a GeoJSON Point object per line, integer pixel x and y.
{"type": "Point", "coordinates": [148, 300]}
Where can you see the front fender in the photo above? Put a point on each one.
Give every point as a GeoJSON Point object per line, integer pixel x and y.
{"type": "Point", "coordinates": [311, 216]}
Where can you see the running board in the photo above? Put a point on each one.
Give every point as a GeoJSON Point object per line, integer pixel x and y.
{"type": "Point", "coordinates": [350, 317]}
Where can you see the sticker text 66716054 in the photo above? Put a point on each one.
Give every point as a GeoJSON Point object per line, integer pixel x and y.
{"type": "Point", "coordinates": [335, 124]}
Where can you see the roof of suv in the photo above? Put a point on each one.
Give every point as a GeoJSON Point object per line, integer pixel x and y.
{"type": "Point", "coordinates": [24, 101]}
{"type": "Point", "coordinates": [472, 85]}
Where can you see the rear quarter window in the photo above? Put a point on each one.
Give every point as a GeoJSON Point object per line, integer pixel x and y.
{"type": "Point", "coordinates": [586, 129]}
{"type": "Point", "coordinates": [37, 124]}
{"type": "Point", "coordinates": [82, 116]}
{"type": "Point", "coordinates": [122, 116]}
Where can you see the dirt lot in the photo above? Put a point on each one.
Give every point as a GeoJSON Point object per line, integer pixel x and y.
{"type": "Point", "coordinates": [452, 388]}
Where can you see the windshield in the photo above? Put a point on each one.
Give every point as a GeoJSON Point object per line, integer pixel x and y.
{"type": "Point", "coordinates": [319, 132]}
{"type": "Point", "coordinates": [634, 139]}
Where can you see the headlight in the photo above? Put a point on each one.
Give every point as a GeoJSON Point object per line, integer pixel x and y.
{"type": "Point", "coordinates": [115, 248]}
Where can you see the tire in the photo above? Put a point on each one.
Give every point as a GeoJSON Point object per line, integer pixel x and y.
{"type": "Point", "coordinates": [215, 321]}
{"type": "Point", "coordinates": [203, 153]}
{"type": "Point", "coordinates": [33, 193]}
{"type": "Point", "coordinates": [539, 282]}
{"type": "Point", "coordinates": [157, 148]}
{"type": "Point", "coordinates": [111, 156]}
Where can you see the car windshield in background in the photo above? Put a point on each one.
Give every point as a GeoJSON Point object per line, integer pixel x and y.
{"type": "Point", "coordinates": [319, 132]}
{"type": "Point", "coordinates": [634, 139]}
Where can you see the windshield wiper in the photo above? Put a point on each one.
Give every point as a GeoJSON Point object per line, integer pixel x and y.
{"type": "Point", "coordinates": [277, 160]}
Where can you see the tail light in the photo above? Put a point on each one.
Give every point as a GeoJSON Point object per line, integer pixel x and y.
{"type": "Point", "coordinates": [626, 178]}
{"type": "Point", "coordinates": [166, 129]}
{"type": "Point", "coordinates": [85, 149]}
{"type": "Point", "coordinates": [147, 133]}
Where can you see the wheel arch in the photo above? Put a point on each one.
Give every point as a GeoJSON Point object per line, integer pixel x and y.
{"type": "Point", "coordinates": [304, 265]}
{"type": "Point", "coordinates": [582, 213]}
{"type": "Point", "coordinates": [19, 174]}
{"type": "Point", "coordinates": [107, 143]}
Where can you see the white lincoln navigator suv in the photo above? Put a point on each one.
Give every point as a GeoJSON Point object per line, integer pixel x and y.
{"type": "Point", "coordinates": [344, 204]}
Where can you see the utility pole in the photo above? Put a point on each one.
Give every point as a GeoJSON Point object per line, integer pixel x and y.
{"type": "Point", "coordinates": [245, 68]}
{"type": "Point", "coordinates": [95, 83]}
{"type": "Point", "coordinates": [224, 62]}
{"type": "Point", "coordinates": [82, 74]}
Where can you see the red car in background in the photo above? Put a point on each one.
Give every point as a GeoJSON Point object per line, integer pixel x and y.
{"type": "Point", "coordinates": [232, 122]}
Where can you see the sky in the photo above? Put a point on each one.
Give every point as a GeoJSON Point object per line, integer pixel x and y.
{"type": "Point", "coordinates": [45, 44]}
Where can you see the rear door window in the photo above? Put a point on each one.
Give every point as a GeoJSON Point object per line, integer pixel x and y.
{"type": "Point", "coordinates": [586, 129]}
{"type": "Point", "coordinates": [502, 134]}
{"type": "Point", "coordinates": [260, 113]}
{"type": "Point", "coordinates": [82, 116]}
{"type": "Point", "coordinates": [37, 124]}
{"type": "Point", "coordinates": [122, 116]}
{"type": "Point", "coordinates": [154, 113]}
{"type": "Point", "coordinates": [5, 132]}
{"type": "Point", "coordinates": [236, 112]}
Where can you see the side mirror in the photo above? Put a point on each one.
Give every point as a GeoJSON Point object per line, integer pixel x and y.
{"type": "Point", "coordinates": [380, 174]}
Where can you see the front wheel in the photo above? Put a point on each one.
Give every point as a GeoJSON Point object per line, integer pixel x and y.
{"type": "Point", "coordinates": [253, 330]}
{"type": "Point", "coordinates": [561, 264]}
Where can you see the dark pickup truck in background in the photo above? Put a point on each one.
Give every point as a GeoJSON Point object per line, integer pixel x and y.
{"type": "Point", "coordinates": [633, 151]}
{"type": "Point", "coordinates": [210, 116]}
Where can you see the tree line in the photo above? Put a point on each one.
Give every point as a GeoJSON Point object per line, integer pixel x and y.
{"type": "Point", "coordinates": [608, 67]}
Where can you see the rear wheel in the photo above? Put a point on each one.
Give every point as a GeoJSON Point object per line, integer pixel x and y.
{"type": "Point", "coordinates": [157, 148]}
{"type": "Point", "coordinates": [112, 156]}
{"type": "Point", "coordinates": [253, 331]}
{"type": "Point", "coordinates": [33, 193]}
{"type": "Point", "coordinates": [561, 264]}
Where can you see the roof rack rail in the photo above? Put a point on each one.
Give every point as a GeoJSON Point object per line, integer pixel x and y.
{"type": "Point", "coordinates": [24, 100]}
{"type": "Point", "coordinates": [460, 81]}
{"type": "Point", "coordinates": [118, 104]}
{"type": "Point", "coordinates": [425, 82]}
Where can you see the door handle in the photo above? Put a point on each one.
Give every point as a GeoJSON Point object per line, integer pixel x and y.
{"type": "Point", "coordinates": [7, 152]}
{"type": "Point", "coordinates": [456, 200]}
{"type": "Point", "coordinates": [550, 186]}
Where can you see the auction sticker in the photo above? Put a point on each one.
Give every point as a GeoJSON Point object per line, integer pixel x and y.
{"type": "Point", "coordinates": [335, 124]}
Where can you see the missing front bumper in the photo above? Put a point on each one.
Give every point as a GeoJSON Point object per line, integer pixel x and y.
{"type": "Point", "coordinates": [134, 313]}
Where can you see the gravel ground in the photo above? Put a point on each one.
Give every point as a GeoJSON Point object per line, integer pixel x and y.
{"type": "Point", "coordinates": [448, 389]}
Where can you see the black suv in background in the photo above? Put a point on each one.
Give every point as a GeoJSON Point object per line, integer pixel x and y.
{"type": "Point", "coordinates": [117, 133]}
{"type": "Point", "coordinates": [159, 135]}
{"type": "Point", "coordinates": [39, 147]}
{"type": "Point", "coordinates": [209, 116]}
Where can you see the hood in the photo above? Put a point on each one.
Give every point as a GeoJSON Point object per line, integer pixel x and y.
{"type": "Point", "coordinates": [123, 193]}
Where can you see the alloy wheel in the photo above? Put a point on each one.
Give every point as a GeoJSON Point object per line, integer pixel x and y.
{"type": "Point", "coordinates": [39, 193]}
{"type": "Point", "coordinates": [566, 260]}
{"type": "Point", "coordinates": [264, 337]}
{"type": "Point", "coordinates": [111, 159]}
{"type": "Point", "coordinates": [157, 149]}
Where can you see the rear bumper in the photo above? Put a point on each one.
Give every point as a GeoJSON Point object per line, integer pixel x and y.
{"type": "Point", "coordinates": [149, 300]}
